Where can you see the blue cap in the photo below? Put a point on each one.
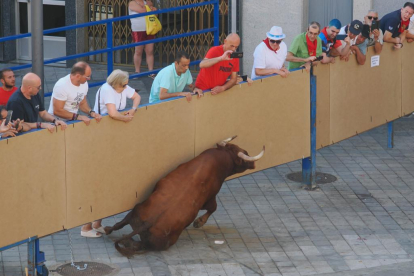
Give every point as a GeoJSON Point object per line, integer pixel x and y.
{"type": "Point", "coordinates": [335, 23]}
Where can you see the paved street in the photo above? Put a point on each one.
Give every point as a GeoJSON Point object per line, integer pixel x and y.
{"type": "Point", "coordinates": [362, 224]}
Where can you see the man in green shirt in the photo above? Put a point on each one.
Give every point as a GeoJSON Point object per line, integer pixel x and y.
{"type": "Point", "coordinates": [305, 48]}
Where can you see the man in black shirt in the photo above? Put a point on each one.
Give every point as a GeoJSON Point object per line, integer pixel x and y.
{"type": "Point", "coordinates": [27, 105]}
{"type": "Point", "coordinates": [395, 24]}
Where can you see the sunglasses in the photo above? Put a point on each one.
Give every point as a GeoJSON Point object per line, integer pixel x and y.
{"type": "Point", "coordinates": [275, 41]}
{"type": "Point", "coordinates": [371, 17]}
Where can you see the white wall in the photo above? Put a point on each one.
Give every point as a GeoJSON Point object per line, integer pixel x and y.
{"type": "Point", "coordinates": [259, 16]}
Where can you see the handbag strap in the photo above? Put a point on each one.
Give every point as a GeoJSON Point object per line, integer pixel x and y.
{"type": "Point", "coordinates": [99, 101]}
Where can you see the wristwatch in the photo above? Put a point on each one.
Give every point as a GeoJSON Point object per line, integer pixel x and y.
{"type": "Point", "coordinates": [90, 112]}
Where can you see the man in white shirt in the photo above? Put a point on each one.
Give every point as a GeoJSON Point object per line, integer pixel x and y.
{"type": "Point", "coordinates": [270, 55]}
{"type": "Point", "coordinates": [69, 95]}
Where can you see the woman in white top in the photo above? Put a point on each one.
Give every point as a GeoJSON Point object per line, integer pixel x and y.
{"type": "Point", "coordinates": [139, 33]}
{"type": "Point", "coordinates": [112, 95]}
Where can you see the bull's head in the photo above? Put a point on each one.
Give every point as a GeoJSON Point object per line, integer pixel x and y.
{"type": "Point", "coordinates": [240, 156]}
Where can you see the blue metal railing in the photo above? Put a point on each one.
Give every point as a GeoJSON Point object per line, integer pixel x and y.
{"type": "Point", "coordinates": [110, 48]}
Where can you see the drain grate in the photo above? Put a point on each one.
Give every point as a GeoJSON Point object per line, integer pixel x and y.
{"type": "Point", "coordinates": [93, 269]}
{"type": "Point", "coordinates": [321, 178]}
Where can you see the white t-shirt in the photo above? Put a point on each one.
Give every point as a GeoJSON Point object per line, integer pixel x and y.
{"type": "Point", "coordinates": [264, 58]}
{"type": "Point", "coordinates": [109, 95]}
{"type": "Point", "coordinates": [65, 90]}
{"type": "Point", "coordinates": [411, 26]}
{"type": "Point", "coordinates": [138, 24]}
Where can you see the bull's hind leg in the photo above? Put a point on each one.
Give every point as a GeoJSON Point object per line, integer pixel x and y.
{"type": "Point", "coordinates": [119, 225]}
{"type": "Point", "coordinates": [211, 207]}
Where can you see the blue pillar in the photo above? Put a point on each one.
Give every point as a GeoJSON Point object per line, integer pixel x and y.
{"type": "Point", "coordinates": [109, 45]}
{"type": "Point", "coordinates": [31, 257]}
{"type": "Point", "coordinates": [309, 163]}
{"type": "Point", "coordinates": [216, 23]}
{"type": "Point", "coordinates": [390, 126]}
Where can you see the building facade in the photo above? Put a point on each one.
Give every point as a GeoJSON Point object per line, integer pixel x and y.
{"type": "Point", "coordinates": [251, 19]}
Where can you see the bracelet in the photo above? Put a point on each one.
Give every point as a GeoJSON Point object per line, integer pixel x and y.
{"type": "Point", "coordinates": [38, 125]}
{"type": "Point", "coordinates": [54, 121]}
{"type": "Point", "coordinates": [75, 116]}
{"type": "Point", "coordinates": [90, 112]}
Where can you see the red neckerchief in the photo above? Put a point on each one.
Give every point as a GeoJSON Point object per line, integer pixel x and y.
{"type": "Point", "coordinates": [311, 46]}
{"type": "Point", "coordinates": [404, 25]}
{"type": "Point", "coordinates": [266, 41]}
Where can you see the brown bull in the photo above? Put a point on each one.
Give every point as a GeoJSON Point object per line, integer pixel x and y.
{"type": "Point", "coordinates": [177, 198]}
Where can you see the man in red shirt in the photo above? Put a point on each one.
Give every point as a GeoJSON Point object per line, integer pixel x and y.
{"type": "Point", "coordinates": [217, 67]}
{"type": "Point", "coordinates": [8, 81]}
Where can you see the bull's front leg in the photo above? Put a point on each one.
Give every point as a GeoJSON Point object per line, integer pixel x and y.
{"type": "Point", "coordinates": [211, 207]}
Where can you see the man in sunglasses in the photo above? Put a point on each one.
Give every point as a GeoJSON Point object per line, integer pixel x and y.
{"type": "Point", "coordinates": [305, 48]}
{"type": "Point", "coordinates": [217, 66]}
{"type": "Point", "coordinates": [376, 37]}
{"type": "Point", "coordinates": [28, 106]}
{"type": "Point", "coordinates": [395, 24]}
{"type": "Point", "coordinates": [69, 95]}
{"type": "Point", "coordinates": [270, 55]}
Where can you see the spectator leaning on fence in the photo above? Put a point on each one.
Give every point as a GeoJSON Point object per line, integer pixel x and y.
{"type": "Point", "coordinates": [351, 31]}
{"type": "Point", "coordinates": [329, 42]}
{"type": "Point", "coordinates": [111, 97]}
{"type": "Point", "coordinates": [138, 27]}
{"type": "Point", "coordinates": [28, 106]}
{"type": "Point", "coordinates": [360, 47]}
{"type": "Point", "coordinates": [305, 48]}
{"type": "Point", "coordinates": [217, 66]}
{"type": "Point", "coordinates": [6, 130]}
{"type": "Point", "coordinates": [69, 95]}
{"type": "Point", "coordinates": [171, 81]}
{"type": "Point", "coordinates": [270, 55]}
{"type": "Point", "coordinates": [8, 81]}
{"type": "Point", "coordinates": [376, 37]}
{"type": "Point", "coordinates": [394, 25]}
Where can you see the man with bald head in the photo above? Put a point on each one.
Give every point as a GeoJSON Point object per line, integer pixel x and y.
{"type": "Point", "coordinates": [69, 95]}
{"type": "Point", "coordinates": [217, 67]}
{"type": "Point", "coordinates": [28, 106]}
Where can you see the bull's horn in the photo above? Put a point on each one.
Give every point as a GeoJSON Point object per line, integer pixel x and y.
{"type": "Point", "coordinates": [252, 159]}
{"type": "Point", "coordinates": [224, 142]}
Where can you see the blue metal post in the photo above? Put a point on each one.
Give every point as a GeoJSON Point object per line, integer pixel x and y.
{"type": "Point", "coordinates": [31, 257]}
{"type": "Point", "coordinates": [216, 23]}
{"type": "Point", "coordinates": [306, 170]}
{"type": "Point", "coordinates": [109, 45]}
{"type": "Point", "coordinates": [390, 126]}
{"type": "Point", "coordinates": [309, 163]}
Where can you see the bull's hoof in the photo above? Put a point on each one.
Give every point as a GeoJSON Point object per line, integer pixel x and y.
{"type": "Point", "coordinates": [198, 223]}
{"type": "Point", "coordinates": [108, 230]}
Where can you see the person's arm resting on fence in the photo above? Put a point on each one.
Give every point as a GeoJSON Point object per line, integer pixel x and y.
{"type": "Point", "coordinates": [229, 84]}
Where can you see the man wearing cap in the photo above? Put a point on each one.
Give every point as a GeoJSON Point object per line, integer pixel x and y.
{"type": "Point", "coordinates": [217, 66]}
{"type": "Point", "coordinates": [394, 25]}
{"type": "Point", "coordinates": [270, 55]}
{"type": "Point", "coordinates": [360, 46]}
{"type": "Point", "coordinates": [376, 37]}
{"type": "Point", "coordinates": [351, 30]}
{"type": "Point", "coordinates": [305, 48]}
{"type": "Point", "coordinates": [331, 47]}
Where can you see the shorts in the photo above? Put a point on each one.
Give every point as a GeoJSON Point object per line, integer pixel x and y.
{"type": "Point", "coordinates": [141, 36]}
